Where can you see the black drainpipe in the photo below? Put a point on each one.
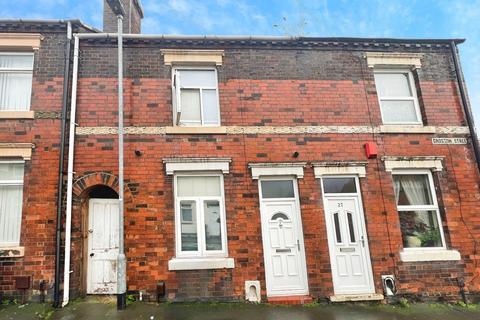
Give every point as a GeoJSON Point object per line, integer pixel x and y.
{"type": "Point", "coordinates": [58, 234]}
{"type": "Point", "coordinates": [465, 104]}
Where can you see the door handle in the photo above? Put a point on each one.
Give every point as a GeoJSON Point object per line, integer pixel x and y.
{"type": "Point", "coordinates": [92, 254]}
{"type": "Point", "coordinates": [298, 245]}
{"type": "Point", "coordinates": [362, 239]}
{"type": "Point", "coordinates": [90, 230]}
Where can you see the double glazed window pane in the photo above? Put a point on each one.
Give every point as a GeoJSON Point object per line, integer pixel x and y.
{"type": "Point", "coordinates": [213, 230]}
{"type": "Point", "coordinates": [200, 213]}
{"type": "Point", "coordinates": [15, 82]}
{"type": "Point", "coordinates": [13, 61]}
{"type": "Point", "coordinates": [277, 189]}
{"type": "Point", "coordinates": [198, 78]}
{"type": "Point", "coordinates": [190, 105]}
{"type": "Point", "coordinates": [420, 229]}
{"type": "Point", "coordinates": [198, 186]}
{"type": "Point", "coordinates": [412, 190]}
{"type": "Point", "coordinates": [399, 111]}
{"type": "Point", "coordinates": [198, 95]}
{"type": "Point", "coordinates": [188, 215]}
{"type": "Point", "coordinates": [393, 85]}
{"type": "Point", "coordinates": [396, 97]}
{"type": "Point", "coordinates": [11, 194]}
{"type": "Point", "coordinates": [11, 171]}
{"type": "Point", "coordinates": [339, 185]}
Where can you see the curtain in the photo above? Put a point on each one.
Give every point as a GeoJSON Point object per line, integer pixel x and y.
{"type": "Point", "coordinates": [15, 82]}
{"type": "Point", "coordinates": [414, 189]}
{"type": "Point", "coordinates": [10, 214]}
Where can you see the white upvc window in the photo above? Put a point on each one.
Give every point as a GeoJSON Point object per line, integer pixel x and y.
{"type": "Point", "coordinates": [200, 215]}
{"type": "Point", "coordinates": [195, 96]}
{"type": "Point", "coordinates": [417, 207]}
{"type": "Point", "coordinates": [397, 96]}
{"type": "Point", "coordinates": [11, 198]}
{"type": "Point", "coordinates": [16, 70]}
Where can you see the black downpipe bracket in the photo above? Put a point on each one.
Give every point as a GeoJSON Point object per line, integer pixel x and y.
{"type": "Point", "coordinates": [466, 106]}
{"type": "Point", "coordinates": [58, 233]}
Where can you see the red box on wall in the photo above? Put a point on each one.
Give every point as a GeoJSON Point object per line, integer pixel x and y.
{"type": "Point", "coordinates": [371, 150]}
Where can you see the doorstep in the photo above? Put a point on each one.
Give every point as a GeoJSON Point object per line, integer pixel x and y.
{"type": "Point", "coordinates": [356, 297]}
{"type": "Point", "coordinates": [291, 300]}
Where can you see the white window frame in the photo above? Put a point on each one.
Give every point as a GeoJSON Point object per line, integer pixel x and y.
{"type": "Point", "coordinates": [432, 207]}
{"type": "Point", "coordinates": [19, 70]}
{"type": "Point", "coordinates": [202, 252]}
{"type": "Point", "coordinates": [176, 96]}
{"type": "Point", "coordinates": [414, 97]}
{"type": "Point", "coordinates": [13, 183]}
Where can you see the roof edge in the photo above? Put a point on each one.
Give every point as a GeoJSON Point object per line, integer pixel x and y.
{"type": "Point", "coordinates": [273, 38]}
{"type": "Point", "coordinates": [50, 21]}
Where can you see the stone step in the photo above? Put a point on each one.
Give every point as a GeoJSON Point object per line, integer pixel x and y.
{"type": "Point", "coordinates": [356, 297]}
{"type": "Point", "coordinates": [290, 300]}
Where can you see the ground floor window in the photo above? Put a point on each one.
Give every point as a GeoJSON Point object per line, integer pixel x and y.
{"type": "Point", "coordinates": [11, 195]}
{"type": "Point", "coordinates": [200, 215]}
{"type": "Point", "coordinates": [417, 206]}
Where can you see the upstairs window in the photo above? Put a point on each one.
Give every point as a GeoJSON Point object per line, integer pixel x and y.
{"type": "Point", "coordinates": [418, 209]}
{"type": "Point", "coordinates": [397, 97]}
{"type": "Point", "coordinates": [16, 71]}
{"type": "Point", "coordinates": [11, 195]}
{"type": "Point", "coordinates": [195, 97]}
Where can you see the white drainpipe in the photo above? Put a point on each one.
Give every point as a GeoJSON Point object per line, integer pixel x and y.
{"type": "Point", "coordinates": [71, 147]}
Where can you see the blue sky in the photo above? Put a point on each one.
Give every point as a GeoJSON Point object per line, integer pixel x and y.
{"type": "Point", "coordinates": [353, 18]}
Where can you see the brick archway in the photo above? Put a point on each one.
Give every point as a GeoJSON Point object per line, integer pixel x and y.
{"type": "Point", "coordinates": [82, 185]}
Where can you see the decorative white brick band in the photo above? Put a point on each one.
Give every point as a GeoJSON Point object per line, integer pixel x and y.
{"type": "Point", "coordinates": [232, 130]}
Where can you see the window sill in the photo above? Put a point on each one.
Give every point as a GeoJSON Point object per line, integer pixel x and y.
{"type": "Point", "coordinates": [200, 263]}
{"type": "Point", "coordinates": [195, 130]}
{"type": "Point", "coordinates": [406, 128]}
{"type": "Point", "coordinates": [17, 114]}
{"type": "Point", "coordinates": [12, 252]}
{"type": "Point", "coordinates": [429, 255]}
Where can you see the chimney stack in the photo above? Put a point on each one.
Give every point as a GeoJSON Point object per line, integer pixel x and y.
{"type": "Point", "coordinates": [132, 20]}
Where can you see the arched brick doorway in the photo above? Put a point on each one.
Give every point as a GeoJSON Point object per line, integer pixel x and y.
{"type": "Point", "coordinates": [98, 186]}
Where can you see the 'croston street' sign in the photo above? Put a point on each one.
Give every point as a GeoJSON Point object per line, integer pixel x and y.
{"type": "Point", "coordinates": [449, 140]}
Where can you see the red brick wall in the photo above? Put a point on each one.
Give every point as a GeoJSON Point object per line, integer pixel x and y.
{"type": "Point", "coordinates": [150, 218]}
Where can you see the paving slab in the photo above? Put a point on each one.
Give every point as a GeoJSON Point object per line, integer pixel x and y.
{"type": "Point", "coordinates": [106, 309]}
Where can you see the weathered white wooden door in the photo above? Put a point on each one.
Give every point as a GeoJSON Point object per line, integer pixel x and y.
{"type": "Point", "coordinates": [285, 267]}
{"type": "Point", "coordinates": [348, 246]}
{"type": "Point", "coordinates": [102, 246]}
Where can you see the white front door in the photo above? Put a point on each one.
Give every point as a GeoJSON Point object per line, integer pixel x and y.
{"type": "Point", "coordinates": [102, 246]}
{"type": "Point", "coordinates": [284, 252]}
{"type": "Point", "coordinates": [348, 246]}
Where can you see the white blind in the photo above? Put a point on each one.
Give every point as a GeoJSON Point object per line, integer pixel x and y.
{"type": "Point", "coordinates": [15, 81]}
{"type": "Point", "coordinates": [11, 195]}
{"type": "Point", "coordinates": [198, 186]}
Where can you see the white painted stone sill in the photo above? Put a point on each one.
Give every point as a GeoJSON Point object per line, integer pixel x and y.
{"type": "Point", "coordinates": [12, 252]}
{"type": "Point", "coordinates": [406, 129]}
{"type": "Point", "coordinates": [200, 263]}
{"type": "Point", "coordinates": [429, 255]}
{"type": "Point", "coordinates": [196, 130]}
{"type": "Point", "coordinates": [17, 114]}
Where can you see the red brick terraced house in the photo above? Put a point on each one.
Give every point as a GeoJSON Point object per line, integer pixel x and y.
{"type": "Point", "coordinates": [272, 168]}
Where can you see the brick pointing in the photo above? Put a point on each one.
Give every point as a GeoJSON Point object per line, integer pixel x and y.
{"type": "Point", "coordinates": [41, 172]}
{"type": "Point", "coordinates": [150, 218]}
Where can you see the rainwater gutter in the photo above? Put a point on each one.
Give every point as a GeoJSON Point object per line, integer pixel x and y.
{"type": "Point", "coordinates": [465, 103]}
{"type": "Point", "coordinates": [71, 146]}
{"type": "Point", "coordinates": [58, 231]}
